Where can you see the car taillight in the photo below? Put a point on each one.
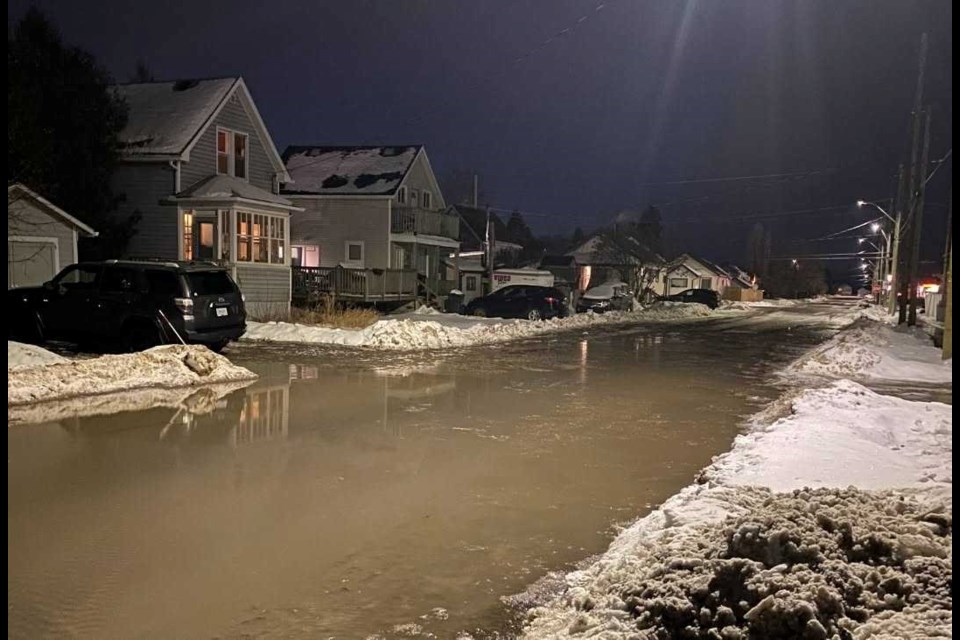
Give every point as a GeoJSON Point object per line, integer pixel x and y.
{"type": "Point", "coordinates": [550, 300]}
{"type": "Point", "coordinates": [184, 305]}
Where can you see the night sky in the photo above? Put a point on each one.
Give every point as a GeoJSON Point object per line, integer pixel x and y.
{"type": "Point", "coordinates": [574, 110]}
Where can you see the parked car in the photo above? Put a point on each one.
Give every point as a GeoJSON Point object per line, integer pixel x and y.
{"type": "Point", "coordinates": [609, 296]}
{"type": "Point", "coordinates": [708, 297]}
{"type": "Point", "coordinates": [520, 301]}
{"type": "Point", "coordinates": [132, 304]}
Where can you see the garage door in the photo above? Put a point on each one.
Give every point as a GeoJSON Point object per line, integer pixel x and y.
{"type": "Point", "coordinates": [30, 262]}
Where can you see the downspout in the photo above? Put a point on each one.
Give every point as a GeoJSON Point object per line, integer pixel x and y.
{"type": "Point", "coordinates": [175, 165]}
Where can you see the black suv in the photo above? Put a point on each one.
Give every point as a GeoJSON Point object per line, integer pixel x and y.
{"type": "Point", "coordinates": [133, 304]}
{"type": "Point", "coordinates": [708, 297]}
{"type": "Point", "coordinates": [520, 301]}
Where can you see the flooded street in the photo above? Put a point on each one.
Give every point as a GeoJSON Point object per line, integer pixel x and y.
{"type": "Point", "coordinates": [349, 494]}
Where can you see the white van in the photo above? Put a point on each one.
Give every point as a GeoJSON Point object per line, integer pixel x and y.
{"type": "Point", "coordinates": [534, 277]}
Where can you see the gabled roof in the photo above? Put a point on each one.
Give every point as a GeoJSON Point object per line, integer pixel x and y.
{"type": "Point", "coordinates": [223, 187]}
{"type": "Point", "coordinates": [352, 171]}
{"type": "Point", "coordinates": [684, 259]}
{"type": "Point", "coordinates": [165, 119]}
{"type": "Point", "coordinates": [596, 250]}
{"type": "Point", "coordinates": [19, 190]}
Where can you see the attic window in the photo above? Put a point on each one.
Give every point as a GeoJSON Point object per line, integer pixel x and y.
{"type": "Point", "coordinates": [231, 153]}
{"type": "Point", "coordinates": [402, 195]}
{"type": "Point", "coordinates": [426, 199]}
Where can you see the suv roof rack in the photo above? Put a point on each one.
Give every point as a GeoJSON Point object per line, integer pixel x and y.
{"type": "Point", "coordinates": [164, 262]}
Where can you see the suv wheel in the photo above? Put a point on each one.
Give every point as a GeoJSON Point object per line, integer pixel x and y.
{"type": "Point", "coordinates": [480, 312]}
{"type": "Point", "coordinates": [141, 335]}
{"type": "Point", "coordinates": [534, 314]}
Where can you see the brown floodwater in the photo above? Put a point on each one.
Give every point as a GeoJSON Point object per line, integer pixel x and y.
{"type": "Point", "coordinates": [351, 494]}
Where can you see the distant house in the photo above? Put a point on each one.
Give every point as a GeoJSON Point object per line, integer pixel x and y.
{"type": "Point", "coordinates": [600, 260]}
{"type": "Point", "coordinates": [41, 237]}
{"type": "Point", "coordinates": [369, 209]}
{"type": "Point", "coordinates": [200, 168]}
{"type": "Point", "coordinates": [688, 272]}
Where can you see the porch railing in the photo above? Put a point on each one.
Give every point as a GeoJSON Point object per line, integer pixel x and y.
{"type": "Point", "coordinates": [368, 285]}
{"type": "Point", "coordinates": [416, 220]}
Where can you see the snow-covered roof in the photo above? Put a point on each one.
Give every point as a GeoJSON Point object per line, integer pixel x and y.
{"type": "Point", "coordinates": [222, 187]}
{"type": "Point", "coordinates": [164, 117]}
{"type": "Point", "coordinates": [356, 171]}
{"type": "Point", "coordinates": [598, 251]}
{"type": "Point", "coordinates": [20, 190]}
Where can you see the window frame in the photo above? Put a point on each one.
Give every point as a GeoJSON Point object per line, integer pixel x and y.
{"type": "Point", "coordinates": [426, 199]}
{"type": "Point", "coordinates": [346, 252]}
{"type": "Point", "coordinates": [262, 238]}
{"type": "Point", "coordinates": [402, 195]}
{"type": "Point", "coordinates": [470, 283]}
{"type": "Point", "coordinates": [674, 281]}
{"type": "Point", "coordinates": [231, 153]}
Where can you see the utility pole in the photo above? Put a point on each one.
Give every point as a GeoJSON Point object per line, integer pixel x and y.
{"type": "Point", "coordinates": [948, 317]}
{"type": "Point", "coordinates": [491, 242]}
{"type": "Point", "coordinates": [917, 174]}
{"type": "Point", "coordinates": [917, 216]}
{"type": "Point", "coordinates": [475, 190]}
{"type": "Point", "coordinates": [895, 270]}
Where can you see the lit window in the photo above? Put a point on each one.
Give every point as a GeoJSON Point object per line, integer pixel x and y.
{"type": "Point", "coordinates": [188, 235]}
{"type": "Point", "coordinates": [231, 153]}
{"type": "Point", "coordinates": [260, 238]}
{"type": "Point", "coordinates": [223, 152]}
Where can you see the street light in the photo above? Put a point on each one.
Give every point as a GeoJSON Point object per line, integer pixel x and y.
{"type": "Point", "coordinates": [888, 256]}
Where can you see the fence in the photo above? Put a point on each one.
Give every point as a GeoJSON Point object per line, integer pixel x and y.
{"type": "Point", "coordinates": [366, 285]}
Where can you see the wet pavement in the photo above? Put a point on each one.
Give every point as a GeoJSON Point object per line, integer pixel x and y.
{"type": "Point", "coordinates": [350, 494]}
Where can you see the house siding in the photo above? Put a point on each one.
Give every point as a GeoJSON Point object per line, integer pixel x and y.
{"type": "Point", "coordinates": [25, 218]}
{"type": "Point", "coordinates": [143, 185]}
{"type": "Point", "coordinates": [420, 178]}
{"type": "Point", "coordinates": [266, 289]}
{"type": "Point", "coordinates": [203, 156]}
{"type": "Point", "coordinates": [330, 222]}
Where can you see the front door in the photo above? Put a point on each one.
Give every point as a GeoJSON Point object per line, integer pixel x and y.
{"type": "Point", "coordinates": [205, 236]}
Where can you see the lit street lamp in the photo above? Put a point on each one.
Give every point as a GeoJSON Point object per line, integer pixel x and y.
{"type": "Point", "coordinates": [891, 252]}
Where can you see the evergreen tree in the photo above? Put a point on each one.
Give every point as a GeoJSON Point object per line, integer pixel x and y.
{"type": "Point", "coordinates": [63, 123]}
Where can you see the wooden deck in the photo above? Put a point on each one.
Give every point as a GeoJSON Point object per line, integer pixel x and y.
{"type": "Point", "coordinates": [354, 285]}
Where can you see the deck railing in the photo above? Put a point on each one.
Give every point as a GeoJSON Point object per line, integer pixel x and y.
{"type": "Point", "coordinates": [368, 285]}
{"type": "Point", "coordinates": [421, 221]}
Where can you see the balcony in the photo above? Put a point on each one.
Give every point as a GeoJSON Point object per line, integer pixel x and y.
{"type": "Point", "coordinates": [423, 222]}
{"type": "Point", "coordinates": [356, 285]}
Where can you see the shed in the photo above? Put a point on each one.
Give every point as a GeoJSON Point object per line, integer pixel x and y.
{"type": "Point", "coordinates": [41, 237]}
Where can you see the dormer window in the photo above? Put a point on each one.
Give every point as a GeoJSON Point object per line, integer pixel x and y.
{"type": "Point", "coordinates": [231, 153]}
{"type": "Point", "coordinates": [402, 195]}
{"type": "Point", "coordinates": [426, 199]}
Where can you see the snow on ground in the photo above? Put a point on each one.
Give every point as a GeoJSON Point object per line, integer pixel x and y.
{"type": "Point", "coordinates": [434, 330]}
{"type": "Point", "coordinates": [830, 518]}
{"type": "Point", "coordinates": [21, 355]}
{"type": "Point", "coordinates": [165, 367]}
{"type": "Point", "coordinates": [730, 558]}
{"type": "Point", "coordinates": [871, 350]}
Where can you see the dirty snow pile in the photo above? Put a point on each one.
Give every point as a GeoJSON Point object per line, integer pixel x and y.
{"type": "Point", "coordinates": [441, 330]}
{"type": "Point", "coordinates": [163, 367]}
{"type": "Point", "coordinates": [21, 355]}
{"type": "Point", "coordinates": [871, 350]}
{"type": "Point", "coordinates": [864, 553]}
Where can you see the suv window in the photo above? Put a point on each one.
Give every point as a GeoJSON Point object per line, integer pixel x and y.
{"type": "Point", "coordinates": [79, 278]}
{"type": "Point", "coordinates": [162, 283]}
{"type": "Point", "coordinates": [118, 280]}
{"type": "Point", "coordinates": [210, 283]}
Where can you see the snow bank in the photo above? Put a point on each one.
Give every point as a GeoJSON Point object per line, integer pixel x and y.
{"type": "Point", "coordinates": [442, 330]}
{"type": "Point", "coordinates": [27, 355]}
{"type": "Point", "coordinates": [729, 558]}
{"type": "Point", "coordinates": [870, 350]}
{"type": "Point", "coordinates": [164, 367]}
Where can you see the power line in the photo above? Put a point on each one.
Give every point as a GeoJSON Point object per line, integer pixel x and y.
{"type": "Point", "coordinates": [740, 178]}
